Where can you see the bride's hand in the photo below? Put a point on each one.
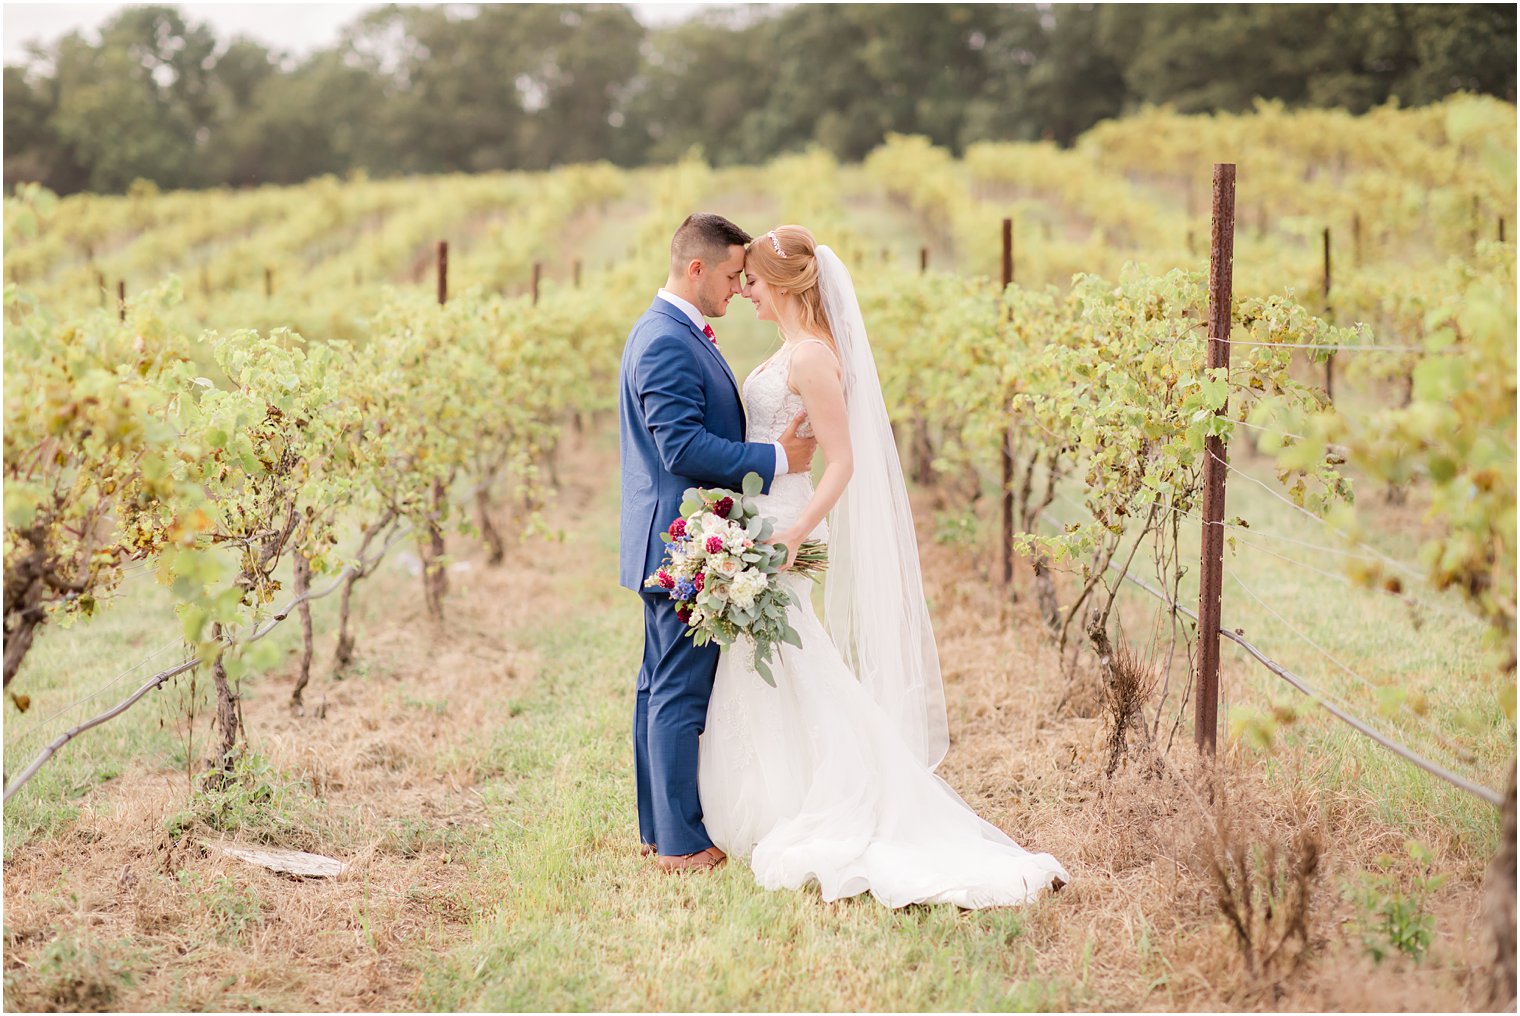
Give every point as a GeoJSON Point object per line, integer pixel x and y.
{"type": "Point", "coordinates": [793, 541]}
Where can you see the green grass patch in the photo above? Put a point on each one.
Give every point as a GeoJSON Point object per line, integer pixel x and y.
{"type": "Point", "coordinates": [582, 922]}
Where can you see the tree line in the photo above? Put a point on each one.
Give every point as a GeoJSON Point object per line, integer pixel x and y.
{"type": "Point", "coordinates": [410, 89]}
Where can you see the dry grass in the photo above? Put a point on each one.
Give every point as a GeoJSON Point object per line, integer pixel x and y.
{"type": "Point", "coordinates": [383, 772]}
{"type": "Point", "coordinates": [1142, 917]}
{"type": "Point", "coordinates": [117, 913]}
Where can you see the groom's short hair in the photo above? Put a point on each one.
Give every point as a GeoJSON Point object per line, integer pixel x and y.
{"type": "Point", "coordinates": [706, 237]}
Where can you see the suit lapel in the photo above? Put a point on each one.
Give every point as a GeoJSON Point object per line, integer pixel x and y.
{"type": "Point", "coordinates": [675, 315]}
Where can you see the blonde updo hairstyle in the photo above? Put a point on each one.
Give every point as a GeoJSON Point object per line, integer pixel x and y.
{"type": "Point", "coordinates": [797, 273]}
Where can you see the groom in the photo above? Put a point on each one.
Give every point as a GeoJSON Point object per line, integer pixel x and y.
{"type": "Point", "coordinates": [681, 425]}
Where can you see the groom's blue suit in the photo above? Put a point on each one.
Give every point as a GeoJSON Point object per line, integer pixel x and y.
{"type": "Point", "coordinates": [681, 425]}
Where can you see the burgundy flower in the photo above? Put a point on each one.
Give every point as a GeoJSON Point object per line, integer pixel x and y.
{"type": "Point", "coordinates": [678, 529]}
{"type": "Point", "coordinates": [684, 613]}
{"type": "Point", "coordinates": [665, 579]}
{"type": "Point", "coordinates": [699, 581]}
{"type": "Point", "coordinates": [715, 544]}
{"type": "Point", "coordinates": [723, 507]}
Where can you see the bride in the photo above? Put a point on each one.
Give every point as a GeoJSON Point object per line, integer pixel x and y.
{"type": "Point", "coordinates": [828, 777]}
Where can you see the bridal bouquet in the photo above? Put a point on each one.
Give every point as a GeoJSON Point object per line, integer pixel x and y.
{"type": "Point", "coordinates": [724, 574]}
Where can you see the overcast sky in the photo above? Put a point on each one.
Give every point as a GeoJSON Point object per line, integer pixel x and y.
{"type": "Point", "coordinates": [298, 28]}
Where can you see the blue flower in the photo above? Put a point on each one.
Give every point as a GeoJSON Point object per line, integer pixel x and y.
{"type": "Point", "coordinates": [684, 590]}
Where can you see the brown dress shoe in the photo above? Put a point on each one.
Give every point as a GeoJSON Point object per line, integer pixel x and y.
{"type": "Point", "coordinates": [645, 849]}
{"type": "Point", "coordinates": [703, 860]}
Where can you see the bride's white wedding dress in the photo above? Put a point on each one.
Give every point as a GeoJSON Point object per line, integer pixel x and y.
{"type": "Point", "coordinates": [812, 781]}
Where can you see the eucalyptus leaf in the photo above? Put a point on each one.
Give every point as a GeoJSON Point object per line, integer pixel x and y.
{"type": "Point", "coordinates": [763, 669]}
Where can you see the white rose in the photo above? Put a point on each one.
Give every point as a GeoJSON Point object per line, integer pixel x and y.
{"type": "Point", "coordinates": [746, 587]}
{"type": "Point", "coordinates": [742, 595]}
{"type": "Point", "coordinates": [725, 565]}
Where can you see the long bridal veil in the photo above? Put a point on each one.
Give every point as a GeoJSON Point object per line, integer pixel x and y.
{"type": "Point", "coordinates": [874, 597]}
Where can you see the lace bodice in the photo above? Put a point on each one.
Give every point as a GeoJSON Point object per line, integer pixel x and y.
{"type": "Point", "coordinates": [769, 405]}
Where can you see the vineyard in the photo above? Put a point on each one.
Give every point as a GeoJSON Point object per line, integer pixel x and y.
{"type": "Point", "coordinates": [309, 543]}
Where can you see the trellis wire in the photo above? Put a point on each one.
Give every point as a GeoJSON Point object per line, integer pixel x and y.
{"type": "Point", "coordinates": [41, 725]}
{"type": "Point", "coordinates": [1406, 568]}
{"type": "Point", "coordinates": [1332, 348]}
{"type": "Point", "coordinates": [1345, 715]}
{"type": "Point", "coordinates": [1195, 618]}
{"type": "Point", "coordinates": [158, 679]}
{"type": "Point", "coordinates": [1324, 652]}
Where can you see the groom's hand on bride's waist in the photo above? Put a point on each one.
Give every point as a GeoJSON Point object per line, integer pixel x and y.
{"type": "Point", "coordinates": [799, 450]}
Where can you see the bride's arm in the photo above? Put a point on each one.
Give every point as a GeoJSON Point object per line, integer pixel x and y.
{"type": "Point", "coordinates": [815, 376]}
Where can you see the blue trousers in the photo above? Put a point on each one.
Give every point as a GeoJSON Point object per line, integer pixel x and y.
{"type": "Point", "coordinates": [669, 715]}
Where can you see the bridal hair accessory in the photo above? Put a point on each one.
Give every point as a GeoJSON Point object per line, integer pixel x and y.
{"type": "Point", "coordinates": [777, 244]}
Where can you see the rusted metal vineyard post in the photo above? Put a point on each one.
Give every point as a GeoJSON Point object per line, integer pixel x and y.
{"type": "Point", "coordinates": [923, 452]}
{"type": "Point", "coordinates": [1007, 545]}
{"type": "Point", "coordinates": [443, 272]}
{"type": "Point", "coordinates": [538, 272]}
{"type": "Point", "coordinates": [1329, 360]}
{"type": "Point", "coordinates": [1221, 285]}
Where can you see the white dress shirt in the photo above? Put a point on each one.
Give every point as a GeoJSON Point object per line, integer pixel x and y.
{"type": "Point", "coordinates": [685, 307]}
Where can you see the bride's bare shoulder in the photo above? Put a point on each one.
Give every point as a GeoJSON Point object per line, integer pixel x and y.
{"type": "Point", "coordinates": [813, 355]}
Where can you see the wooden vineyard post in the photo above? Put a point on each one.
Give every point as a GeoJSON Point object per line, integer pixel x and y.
{"type": "Point", "coordinates": [268, 282]}
{"type": "Point", "coordinates": [100, 284]}
{"type": "Point", "coordinates": [1007, 544]}
{"type": "Point", "coordinates": [577, 273]}
{"type": "Point", "coordinates": [443, 272]}
{"type": "Point", "coordinates": [1007, 253]}
{"type": "Point", "coordinates": [1221, 284]}
{"type": "Point", "coordinates": [1329, 360]}
{"type": "Point", "coordinates": [923, 448]}
{"type": "Point", "coordinates": [1501, 229]}
{"type": "Point", "coordinates": [1356, 238]}
{"type": "Point", "coordinates": [538, 272]}
{"type": "Point", "coordinates": [121, 300]}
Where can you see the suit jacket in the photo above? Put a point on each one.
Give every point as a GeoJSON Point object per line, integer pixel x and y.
{"type": "Point", "coordinates": [680, 425]}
